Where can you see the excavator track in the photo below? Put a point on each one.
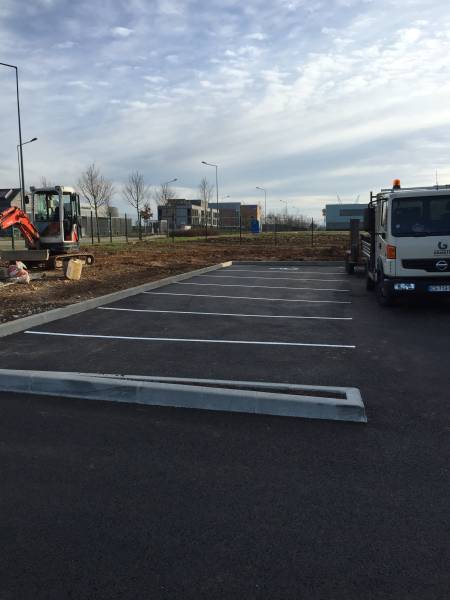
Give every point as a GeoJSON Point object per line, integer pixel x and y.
{"type": "Point", "coordinates": [57, 261]}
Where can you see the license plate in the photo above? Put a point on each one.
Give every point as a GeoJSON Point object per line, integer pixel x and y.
{"type": "Point", "coordinates": [439, 288]}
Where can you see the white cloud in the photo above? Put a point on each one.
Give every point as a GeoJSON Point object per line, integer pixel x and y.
{"type": "Point", "coordinates": [299, 95]}
{"type": "Point", "coordinates": [170, 7]}
{"type": "Point", "coordinates": [65, 45]}
{"type": "Point", "coordinates": [121, 31]}
{"type": "Point", "coordinates": [137, 104]}
{"type": "Point", "coordinates": [409, 36]}
{"type": "Point", "coordinates": [257, 36]}
{"type": "Point", "coordinates": [154, 78]}
{"type": "Point", "coordinates": [79, 83]}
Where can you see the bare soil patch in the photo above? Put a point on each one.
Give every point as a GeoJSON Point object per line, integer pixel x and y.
{"type": "Point", "coordinates": [123, 266]}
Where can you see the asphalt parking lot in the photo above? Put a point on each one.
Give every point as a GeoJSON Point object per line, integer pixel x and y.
{"type": "Point", "coordinates": [111, 501]}
{"type": "Point", "coordinates": [238, 323]}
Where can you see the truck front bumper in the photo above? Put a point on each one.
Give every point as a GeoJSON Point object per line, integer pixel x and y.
{"type": "Point", "coordinates": [410, 286]}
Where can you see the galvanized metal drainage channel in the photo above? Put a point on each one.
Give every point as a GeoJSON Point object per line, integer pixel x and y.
{"type": "Point", "coordinates": [312, 402]}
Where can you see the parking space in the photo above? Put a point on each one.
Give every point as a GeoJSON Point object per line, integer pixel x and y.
{"type": "Point", "coordinates": [303, 325]}
{"type": "Point", "coordinates": [172, 503]}
{"type": "Point", "coordinates": [241, 323]}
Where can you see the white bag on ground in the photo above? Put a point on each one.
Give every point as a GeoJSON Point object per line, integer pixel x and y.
{"type": "Point", "coordinates": [18, 271]}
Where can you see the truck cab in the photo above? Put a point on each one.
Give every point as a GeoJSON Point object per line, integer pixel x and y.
{"type": "Point", "coordinates": [409, 233]}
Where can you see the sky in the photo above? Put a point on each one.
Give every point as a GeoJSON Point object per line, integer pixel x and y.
{"type": "Point", "coordinates": [306, 98]}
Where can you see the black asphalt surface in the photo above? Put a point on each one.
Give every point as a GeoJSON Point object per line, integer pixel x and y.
{"type": "Point", "coordinates": [109, 501]}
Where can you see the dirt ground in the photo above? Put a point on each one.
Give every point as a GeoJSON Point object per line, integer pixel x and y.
{"type": "Point", "coordinates": [120, 266]}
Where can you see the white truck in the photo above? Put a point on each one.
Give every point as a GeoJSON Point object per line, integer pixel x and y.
{"type": "Point", "coordinates": [406, 246]}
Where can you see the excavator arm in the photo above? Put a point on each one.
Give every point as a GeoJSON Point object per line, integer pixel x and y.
{"type": "Point", "coordinates": [15, 216]}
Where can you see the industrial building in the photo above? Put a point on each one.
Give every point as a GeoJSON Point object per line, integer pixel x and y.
{"type": "Point", "coordinates": [180, 214]}
{"type": "Point", "coordinates": [233, 215]}
{"type": "Point", "coordinates": [251, 217]}
{"type": "Point", "coordinates": [229, 214]}
{"type": "Point", "coordinates": [338, 216]}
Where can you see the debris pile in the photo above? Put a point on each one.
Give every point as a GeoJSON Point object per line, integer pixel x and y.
{"type": "Point", "coordinates": [17, 272]}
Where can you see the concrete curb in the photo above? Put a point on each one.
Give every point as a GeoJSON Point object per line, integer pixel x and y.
{"type": "Point", "coordinates": [246, 397]}
{"type": "Point", "coordinates": [293, 263]}
{"type": "Point", "coordinates": [73, 309]}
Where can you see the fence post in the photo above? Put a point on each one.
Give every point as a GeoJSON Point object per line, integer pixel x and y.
{"type": "Point", "coordinates": [240, 229]}
{"type": "Point", "coordinates": [312, 233]}
{"type": "Point", "coordinates": [173, 224]}
{"type": "Point", "coordinates": [92, 228]}
{"type": "Point", "coordinates": [110, 228]}
{"type": "Point", "coordinates": [12, 238]}
{"type": "Point", "coordinates": [275, 229]}
{"type": "Point", "coordinates": [126, 228]}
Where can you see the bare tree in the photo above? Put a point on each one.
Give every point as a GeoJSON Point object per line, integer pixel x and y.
{"type": "Point", "coordinates": [136, 193]}
{"type": "Point", "coordinates": [205, 189]}
{"type": "Point", "coordinates": [96, 190]}
{"type": "Point", "coordinates": [163, 194]}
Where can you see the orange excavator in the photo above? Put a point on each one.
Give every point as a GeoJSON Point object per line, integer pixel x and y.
{"type": "Point", "coordinates": [53, 233]}
{"type": "Point", "coordinates": [13, 216]}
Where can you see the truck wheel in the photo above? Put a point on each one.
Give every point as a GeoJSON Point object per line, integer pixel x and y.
{"type": "Point", "coordinates": [384, 298]}
{"type": "Point", "coordinates": [349, 268]}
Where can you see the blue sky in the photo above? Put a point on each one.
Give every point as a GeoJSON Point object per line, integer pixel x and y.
{"type": "Point", "coordinates": [305, 98]}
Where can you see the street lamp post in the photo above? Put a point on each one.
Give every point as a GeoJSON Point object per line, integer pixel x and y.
{"type": "Point", "coordinates": [217, 188]}
{"type": "Point", "coordinates": [22, 177]}
{"type": "Point", "coordinates": [285, 208]}
{"type": "Point", "coordinates": [265, 203]}
{"type": "Point", "coordinates": [165, 184]}
{"type": "Point", "coordinates": [18, 157]}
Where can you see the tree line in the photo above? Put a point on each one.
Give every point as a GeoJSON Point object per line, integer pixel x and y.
{"type": "Point", "coordinates": [98, 191]}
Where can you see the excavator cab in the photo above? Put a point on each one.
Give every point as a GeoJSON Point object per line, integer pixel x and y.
{"type": "Point", "coordinates": [56, 215]}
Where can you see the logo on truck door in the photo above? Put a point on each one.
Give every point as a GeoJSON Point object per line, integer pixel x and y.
{"type": "Point", "coordinates": [443, 249]}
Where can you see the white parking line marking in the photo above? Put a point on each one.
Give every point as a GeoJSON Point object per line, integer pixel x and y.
{"type": "Point", "coordinates": [249, 298]}
{"type": "Point", "coordinates": [266, 287]}
{"type": "Point", "coordinates": [189, 340]}
{"type": "Point", "coordinates": [300, 272]}
{"type": "Point", "coordinates": [266, 278]}
{"type": "Point", "coordinates": [188, 312]}
{"type": "Point", "coordinates": [303, 278]}
{"type": "Point", "coordinates": [299, 268]}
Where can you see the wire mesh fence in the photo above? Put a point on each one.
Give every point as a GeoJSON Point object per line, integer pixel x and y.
{"type": "Point", "coordinates": [125, 229]}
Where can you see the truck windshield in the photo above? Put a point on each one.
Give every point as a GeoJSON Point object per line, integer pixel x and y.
{"type": "Point", "coordinates": [421, 216]}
